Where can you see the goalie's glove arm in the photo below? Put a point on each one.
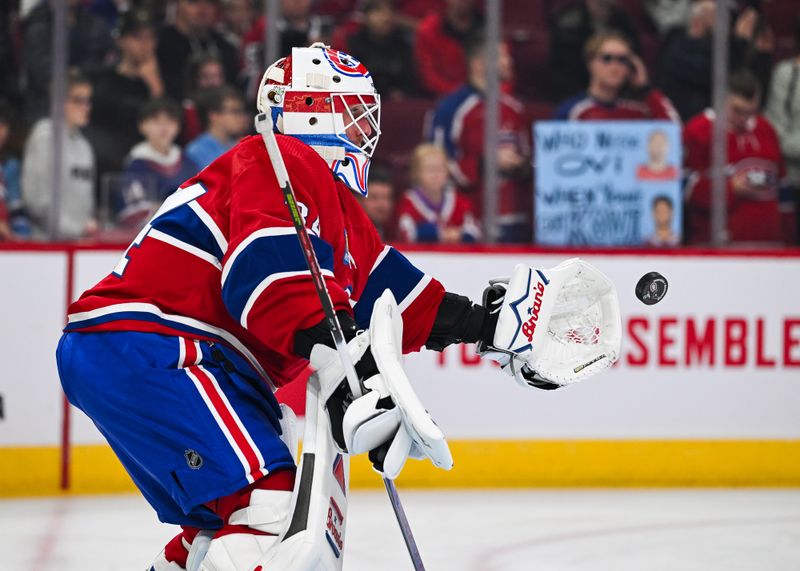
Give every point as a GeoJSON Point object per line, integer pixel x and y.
{"type": "Point", "coordinates": [458, 320]}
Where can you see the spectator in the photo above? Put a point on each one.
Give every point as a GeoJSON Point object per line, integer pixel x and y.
{"type": "Point", "coordinates": [379, 203]}
{"type": "Point", "coordinates": [440, 46]}
{"type": "Point", "coordinates": [9, 51]}
{"type": "Point", "coordinates": [225, 120]}
{"type": "Point", "coordinates": [457, 126]}
{"type": "Point", "coordinates": [155, 167]}
{"type": "Point", "coordinates": [783, 111]}
{"type": "Point", "coordinates": [77, 204]}
{"type": "Point", "coordinates": [203, 73]}
{"type": "Point", "coordinates": [122, 90]}
{"type": "Point", "coordinates": [663, 216]}
{"type": "Point", "coordinates": [192, 36]}
{"type": "Point", "coordinates": [10, 194]}
{"type": "Point", "coordinates": [754, 170]}
{"type": "Point", "coordinates": [9, 174]}
{"type": "Point", "coordinates": [237, 20]}
{"type": "Point", "coordinates": [5, 221]}
{"type": "Point", "coordinates": [687, 58]}
{"type": "Point", "coordinates": [385, 49]}
{"type": "Point", "coordinates": [89, 47]}
{"type": "Point", "coordinates": [411, 12]}
{"type": "Point", "coordinates": [433, 210]}
{"type": "Point", "coordinates": [571, 29]}
{"type": "Point", "coordinates": [108, 10]}
{"type": "Point", "coordinates": [667, 15]}
{"type": "Point", "coordinates": [298, 27]}
{"type": "Point", "coordinates": [619, 87]}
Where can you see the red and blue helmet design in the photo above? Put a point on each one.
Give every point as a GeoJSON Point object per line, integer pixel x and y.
{"type": "Point", "coordinates": [327, 99]}
{"type": "Point", "coordinates": [345, 63]}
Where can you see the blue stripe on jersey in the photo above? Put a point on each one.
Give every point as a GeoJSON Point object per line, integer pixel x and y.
{"type": "Point", "coordinates": [394, 272]}
{"type": "Point", "coordinates": [266, 256]}
{"type": "Point", "coordinates": [182, 223]}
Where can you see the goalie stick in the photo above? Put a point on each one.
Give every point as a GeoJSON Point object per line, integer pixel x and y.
{"type": "Point", "coordinates": [264, 127]}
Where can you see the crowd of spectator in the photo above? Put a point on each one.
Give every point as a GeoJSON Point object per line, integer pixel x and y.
{"type": "Point", "coordinates": [158, 90]}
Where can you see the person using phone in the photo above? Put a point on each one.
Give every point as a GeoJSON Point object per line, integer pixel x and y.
{"type": "Point", "coordinates": [619, 85]}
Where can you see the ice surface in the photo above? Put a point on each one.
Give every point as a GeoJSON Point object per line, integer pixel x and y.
{"type": "Point", "coordinates": [619, 530]}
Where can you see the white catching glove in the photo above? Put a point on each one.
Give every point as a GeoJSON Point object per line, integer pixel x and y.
{"type": "Point", "coordinates": [554, 326]}
{"type": "Point", "coordinates": [388, 421]}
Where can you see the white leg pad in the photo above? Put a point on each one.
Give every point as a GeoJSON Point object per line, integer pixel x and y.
{"type": "Point", "coordinates": [161, 564]}
{"type": "Point", "coordinates": [236, 552]}
{"type": "Point", "coordinates": [268, 512]}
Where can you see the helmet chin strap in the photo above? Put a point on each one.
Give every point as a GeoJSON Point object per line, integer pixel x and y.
{"type": "Point", "coordinates": [329, 153]}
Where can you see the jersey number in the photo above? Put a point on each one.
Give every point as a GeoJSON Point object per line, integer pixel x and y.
{"type": "Point", "coordinates": [178, 198]}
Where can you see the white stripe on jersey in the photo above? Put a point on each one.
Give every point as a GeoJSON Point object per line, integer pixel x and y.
{"type": "Point", "coordinates": [268, 281]}
{"type": "Point", "coordinates": [379, 259]}
{"type": "Point", "coordinates": [221, 423]}
{"type": "Point", "coordinates": [228, 337]}
{"type": "Point", "coordinates": [263, 233]}
{"type": "Point", "coordinates": [181, 245]}
{"type": "Point", "coordinates": [414, 293]}
{"type": "Point", "coordinates": [205, 217]}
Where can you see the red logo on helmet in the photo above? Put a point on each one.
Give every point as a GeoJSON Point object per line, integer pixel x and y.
{"type": "Point", "coordinates": [345, 64]}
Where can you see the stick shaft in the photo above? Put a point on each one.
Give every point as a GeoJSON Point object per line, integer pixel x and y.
{"type": "Point", "coordinates": [264, 127]}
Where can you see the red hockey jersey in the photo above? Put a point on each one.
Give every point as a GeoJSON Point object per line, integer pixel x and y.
{"type": "Point", "coordinates": [220, 261]}
{"type": "Point", "coordinates": [458, 124]}
{"type": "Point", "coordinates": [754, 154]}
{"type": "Point", "coordinates": [419, 220]}
{"type": "Point", "coordinates": [584, 107]}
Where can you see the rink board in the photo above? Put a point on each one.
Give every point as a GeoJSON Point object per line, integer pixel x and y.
{"type": "Point", "coordinates": [706, 391]}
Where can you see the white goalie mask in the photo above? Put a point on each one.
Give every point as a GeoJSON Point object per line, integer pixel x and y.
{"type": "Point", "coordinates": [326, 99]}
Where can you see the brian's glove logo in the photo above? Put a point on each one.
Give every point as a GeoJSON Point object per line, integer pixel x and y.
{"type": "Point", "coordinates": [529, 326]}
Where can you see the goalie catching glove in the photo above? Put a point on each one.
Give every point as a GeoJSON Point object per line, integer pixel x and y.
{"type": "Point", "coordinates": [553, 327]}
{"type": "Point", "coordinates": [388, 420]}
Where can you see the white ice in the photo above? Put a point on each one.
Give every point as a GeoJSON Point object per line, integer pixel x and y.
{"type": "Point", "coordinates": [614, 530]}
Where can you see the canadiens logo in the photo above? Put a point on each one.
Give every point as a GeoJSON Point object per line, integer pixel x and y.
{"type": "Point", "coordinates": [345, 64]}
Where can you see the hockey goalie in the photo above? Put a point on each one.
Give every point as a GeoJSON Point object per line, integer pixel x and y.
{"type": "Point", "coordinates": [176, 354]}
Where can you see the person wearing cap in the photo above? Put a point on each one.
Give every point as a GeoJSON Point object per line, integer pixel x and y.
{"type": "Point", "coordinates": [122, 90]}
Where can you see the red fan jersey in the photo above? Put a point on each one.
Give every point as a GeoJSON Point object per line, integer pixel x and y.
{"type": "Point", "coordinates": [655, 105]}
{"type": "Point", "coordinates": [754, 157]}
{"type": "Point", "coordinates": [220, 261]}
{"type": "Point", "coordinates": [439, 56]}
{"type": "Point", "coordinates": [458, 124]}
{"type": "Point", "coordinates": [420, 220]}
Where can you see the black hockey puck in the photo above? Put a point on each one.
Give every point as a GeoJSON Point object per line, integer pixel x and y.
{"type": "Point", "coordinates": [652, 288]}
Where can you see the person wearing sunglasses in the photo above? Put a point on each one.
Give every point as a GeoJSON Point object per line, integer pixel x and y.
{"type": "Point", "coordinates": [618, 85]}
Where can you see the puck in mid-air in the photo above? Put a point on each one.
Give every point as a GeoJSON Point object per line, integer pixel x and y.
{"type": "Point", "coordinates": [652, 288]}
